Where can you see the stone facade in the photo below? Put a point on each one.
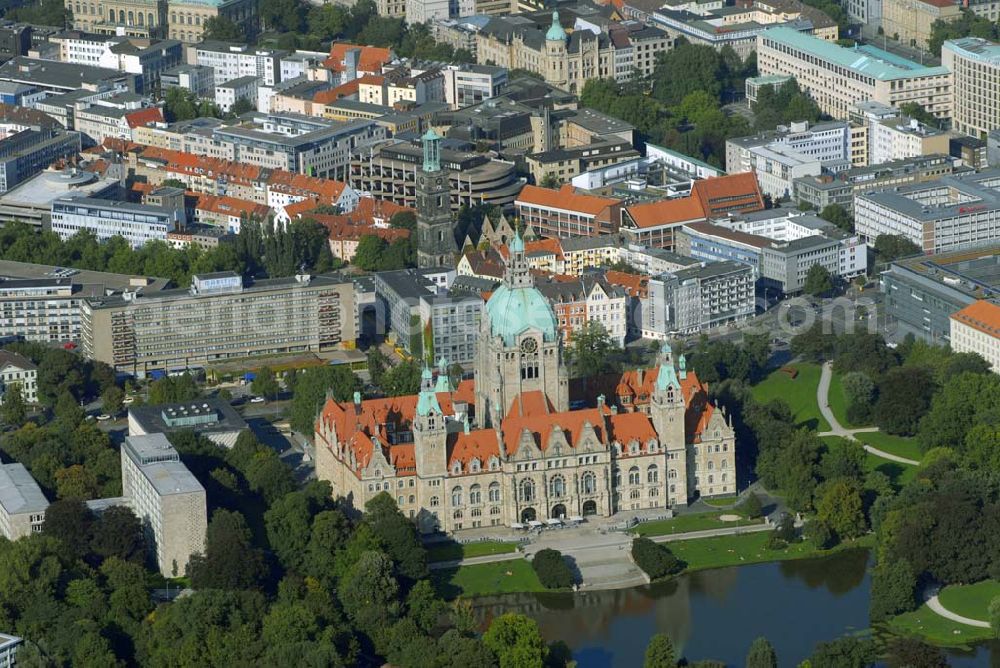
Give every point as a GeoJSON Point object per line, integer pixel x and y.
{"type": "Point", "coordinates": [505, 447]}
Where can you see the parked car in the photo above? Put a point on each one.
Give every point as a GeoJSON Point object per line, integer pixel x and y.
{"type": "Point", "coordinates": [103, 417]}
{"type": "Point", "coordinates": [257, 400]}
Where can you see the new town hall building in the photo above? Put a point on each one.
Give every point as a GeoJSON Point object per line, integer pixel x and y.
{"type": "Point", "coordinates": [505, 447]}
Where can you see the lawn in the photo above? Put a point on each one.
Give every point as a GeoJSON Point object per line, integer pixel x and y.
{"type": "Point", "coordinates": [899, 474]}
{"type": "Point", "coordinates": [690, 522]}
{"type": "Point", "coordinates": [937, 630]}
{"type": "Point", "coordinates": [501, 577]}
{"type": "Point", "coordinates": [799, 394]}
{"type": "Point", "coordinates": [739, 550]}
{"type": "Point", "coordinates": [838, 402]}
{"type": "Point", "coordinates": [972, 601]}
{"type": "Point", "coordinates": [721, 501]}
{"type": "Point", "coordinates": [450, 550]}
{"type": "Point", "coordinates": [894, 445]}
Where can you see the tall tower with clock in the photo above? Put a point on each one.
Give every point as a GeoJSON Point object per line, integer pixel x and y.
{"type": "Point", "coordinates": [436, 245]}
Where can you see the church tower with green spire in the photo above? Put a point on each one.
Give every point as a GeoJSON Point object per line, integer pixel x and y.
{"type": "Point", "coordinates": [436, 245]}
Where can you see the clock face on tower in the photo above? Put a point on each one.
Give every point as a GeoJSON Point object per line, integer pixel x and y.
{"type": "Point", "coordinates": [529, 346]}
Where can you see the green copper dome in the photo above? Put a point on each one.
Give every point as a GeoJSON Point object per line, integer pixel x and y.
{"type": "Point", "coordinates": [556, 32]}
{"type": "Point", "coordinates": [513, 311]}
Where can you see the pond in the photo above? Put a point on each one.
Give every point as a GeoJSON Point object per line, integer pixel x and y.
{"type": "Point", "coordinates": [713, 614]}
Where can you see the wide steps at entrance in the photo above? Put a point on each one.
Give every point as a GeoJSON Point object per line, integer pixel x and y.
{"type": "Point", "coordinates": [601, 559]}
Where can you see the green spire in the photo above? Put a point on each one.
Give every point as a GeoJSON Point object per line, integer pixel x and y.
{"type": "Point", "coordinates": [432, 150]}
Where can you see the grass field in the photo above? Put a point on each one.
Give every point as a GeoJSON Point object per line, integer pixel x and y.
{"type": "Point", "coordinates": [838, 403]}
{"type": "Point", "coordinates": [937, 630]}
{"type": "Point", "coordinates": [501, 577]}
{"type": "Point", "coordinates": [692, 522]}
{"type": "Point", "coordinates": [799, 394]}
{"type": "Point", "coordinates": [743, 549]}
{"type": "Point", "coordinates": [899, 474]}
{"type": "Point", "coordinates": [972, 601]}
{"type": "Point", "coordinates": [451, 550]}
{"type": "Point", "coordinates": [894, 445]}
{"type": "Point", "coordinates": [721, 501]}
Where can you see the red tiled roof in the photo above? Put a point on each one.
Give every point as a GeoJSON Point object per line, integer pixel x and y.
{"type": "Point", "coordinates": [572, 424]}
{"type": "Point", "coordinates": [144, 117]}
{"type": "Point", "coordinates": [531, 403]}
{"type": "Point", "coordinates": [731, 192]}
{"type": "Point", "coordinates": [372, 57]}
{"type": "Point", "coordinates": [981, 315]}
{"type": "Point", "coordinates": [634, 284]}
{"type": "Point", "coordinates": [479, 444]}
{"type": "Point", "coordinates": [231, 206]}
{"type": "Point", "coordinates": [666, 212]}
{"type": "Point", "coordinates": [565, 198]}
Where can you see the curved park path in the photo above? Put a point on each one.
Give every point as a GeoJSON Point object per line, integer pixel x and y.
{"type": "Point", "coordinates": [935, 605]}
{"type": "Point", "coordinates": [836, 429]}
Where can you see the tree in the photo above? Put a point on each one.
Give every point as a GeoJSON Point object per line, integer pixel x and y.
{"type": "Point", "coordinates": [994, 614]}
{"type": "Point", "coordinates": [552, 570]}
{"type": "Point", "coordinates": [912, 653]}
{"type": "Point", "coordinates": [76, 482]}
{"type": "Point", "coordinates": [69, 520]}
{"type": "Point", "coordinates": [370, 594]}
{"type": "Point", "coordinates": [893, 589]}
{"type": "Point", "coordinates": [842, 459]}
{"type": "Point", "coordinates": [751, 506]}
{"type": "Point", "coordinates": [891, 247]}
{"type": "Point", "coordinates": [904, 397]}
{"type": "Point", "coordinates": [818, 280]}
{"type": "Point", "coordinates": [516, 641]}
{"type": "Point", "coordinates": [859, 391]}
{"type": "Point", "coordinates": [592, 351]}
{"type": "Point", "coordinates": [377, 364]}
{"type": "Point", "coordinates": [551, 181]}
{"type": "Point", "coordinates": [660, 652]}
{"type": "Point", "coordinates": [838, 215]}
{"type": "Point", "coordinates": [402, 379]}
{"type": "Point", "coordinates": [229, 561]}
{"type": "Point", "coordinates": [111, 400]}
{"type": "Point", "coordinates": [265, 384]}
{"type": "Point", "coordinates": [14, 411]}
{"type": "Point", "coordinates": [762, 654]}
{"type": "Point", "coordinates": [173, 390]}
{"type": "Point", "coordinates": [241, 106]}
{"type": "Point", "coordinates": [655, 559]}
{"type": "Point", "coordinates": [819, 534]}
{"type": "Point", "coordinates": [118, 533]}
{"type": "Point", "coordinates": [840, 506]}
{"type": "Point", "coordinates": [224, 29]}
{"type": "Point", "coordinates": [311, 387]}
{"type": "Point", "coordinates": [399, 536]}
{"type": "Point", "coordinates": [846, 652]}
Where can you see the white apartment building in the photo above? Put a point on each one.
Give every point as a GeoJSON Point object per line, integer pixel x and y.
{"type": "Point", "coordinates": [975, 67]}
{"type": "Point", "coordinates": [229, 92]}
{"type": "Point", "coordinates": [828, 142]}
{"type": "Point", "coordinates": [137, 223]}
{"type": "Point", "coordinates": [166, 496]}
{"type": "Point", "coordinates": [976, 329]}
{"type": "Point", "coordinates": [467, 85]}
{"type": "Point", "coordinates": [8, 650]}
{"type": "Point", "coordinates": [776, 167]}
{"type": "Point", "coordinates": [838, 77]}
{"type": "Point", "coordinates": [232, 61]}
{"type": "Point", "coordinates": [950, 213]}
{"type": "Point", "coordinates": [22, 504]}
{"type": "Point", "coordinates": [426, 11]}
{"type": "Point", "coordinates": [903, 137]}
{"type": "Point", "coordinates": [19, 371]}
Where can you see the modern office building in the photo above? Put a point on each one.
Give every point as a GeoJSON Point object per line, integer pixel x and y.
{"type": "Point", "coordinates": [974, 64]}
{"type": "Point", "coordinates": [951, 213]}
{"type": "Point", "coordinates": [199, 79]}
{"type": "Point", "coordinates": [211, 417]}
{"type": "Point", "coordinates": [776, 168]}
{"type": "Point", "coordinates": [828, 142]}
{"type": "Point", "coordinates": [903, 137]}
{"type": "Point", "coordinates": [22, 504]}
{"type": "Point", "coordinates": [21, 372]}
{"type": "Point", "coordinates": [838, 77]}
{"type": "Point", "coordinates": [26, 153]}
{"type": "Point", "coordinates": [567, 213]}
{"type": "Point", "coordinates": [697, 298]}
{"type": "Point", "coordinates": [167, 498]}
{"type": "Point", "coordinates": [56, 77]}
{"type": "Point", "coordinates": [136, 223]}
{"type": "Point", "coordinates": [976, 329]}
{"type": "Point", "coordinates": [232, 61]}
{"type": "Point", "coordinates": [922, 292]}
{"type": "Point", "coordinates": [42, 303]}
{"type": "Point", "coordinates": [221, 316]}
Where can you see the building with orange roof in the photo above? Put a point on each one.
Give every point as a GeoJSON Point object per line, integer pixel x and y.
{"type": "Point", "coordinates": [370, 218]}
{"type": "Point", "coordinates": [354, 60]}
{"type": "Point", "coordinates": [567, 213]}
{"type": "Point", "coordinates": [976, 329]}
{"type": "Point", "coordinates": [506, 449]}
{"type": "Point", "coordinates": [228, 212]}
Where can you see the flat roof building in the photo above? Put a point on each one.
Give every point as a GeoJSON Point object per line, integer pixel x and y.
{"type": "Point", "coordinates": [22, 504]}
{"type": "Point", "coordinates": [975, 68]}
{"type": "Point", "coordinates": [210, 417]}
{"type": "Point", "coordinates": [976, 329]}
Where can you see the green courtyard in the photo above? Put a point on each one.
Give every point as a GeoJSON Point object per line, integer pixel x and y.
{"type": "Point", "coordinates": [799, 393]}
{"type": "Point", "coordinates": [972, 600]}
{"type": "Point", "coordinates": [451, 551]}
{"type": "Point", "coordinates": [692, 522]}
{"type": "Point", "coordinates": [894, 445]}
{"type": "Point", "coordinates": [499, 577]}
{"type": "Point", "coordinates": [935, 629]}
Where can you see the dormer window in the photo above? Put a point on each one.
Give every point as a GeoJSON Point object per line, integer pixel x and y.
{"type": "Point", "coordinates": [456, 468]}
{"type": "Point", "coordinates": [633, 448]}
{"type": "Point", "coordinates": [474, 466]}
{"type": "Point", "coordinates": [626, 399]}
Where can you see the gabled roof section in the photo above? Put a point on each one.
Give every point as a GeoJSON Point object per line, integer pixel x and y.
{"type": "Point", "coordinates": [566, 199]}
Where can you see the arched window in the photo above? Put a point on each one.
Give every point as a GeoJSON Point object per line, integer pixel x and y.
{"type": "Point", "coordinates": [141, 18]}
{"type": "Point", "coordinates": [477, 512]}
{"type": "Point", "coordinates": [399, 500]}
{"type": "Point", "coordinates": [711, 465]}
{"type": "Point", "coordinates": [400, 484]}
{"type": "Point", "coordinates": [557, 486]}
{"type": "Point", "coordinates": [723, 477]}
{"type": "Point", "coordinates": [673, 488]}
{"type": "Point", "coordinates": [589, 483]}
{"type": "Point", "coordinates": [457, 515]}
{"type": "Point", "coordinates": [652, 474]}
{"type": "Point", "coordinates": [527, 491]}
{"type": "Point", "coordinates": [412, 498]}
{"type": "Point", "coordinates": [149, 19]}
{"type": "Point", "coordinates": [495, 510]}
{"type": "Point", "coordinates": [475, 494]}
{"type": "Point", "coordinates": [434, 502]}
{"type": "Point", "coordinates": [672, 474]}
{"type": "Point", "coordinates": [494, 492]}
{"type": "Point", "coordinates": [654, 491]}
{"type": "Point", "coordinates": [616, 476]}
{"type": "Point", "coordinates": [634, 494]}
{"type": "Point", "coordinates": [474, 466]}
{"type": "Point", "coordinates": [725, 464]}
{"type": "Point", "coordinates": [111, 15]}
{"type": "Point", "coordinates": [456, 496]}
{"type": "Point", "coordinates": [633, 475]}
{"type": "Point", "coordinates": [121, 16]}
{"type": "Point", "coordinates": [711, 479]}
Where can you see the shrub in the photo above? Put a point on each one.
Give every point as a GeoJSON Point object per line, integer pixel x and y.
{"type": "Point", "coordinates": [820, 534]}
{"type": "Point", "coordinates": [785, 529]}
{"type": "Point", "coordinates": [775, 542]}
{"type": "Point", "coordinates": [751, 506]}
{"type": "Point", "coordinates": [655, 559]}
{"type": "Point", "coordinates": [552, 570]}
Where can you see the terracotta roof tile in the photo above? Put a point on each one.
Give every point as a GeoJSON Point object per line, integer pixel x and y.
{"type": "Point", "coordinates": [144, 117]}
{"type": "Point", "coordinates": [565, 198]}
{"type": "Point", "coordinates": [982, 315]}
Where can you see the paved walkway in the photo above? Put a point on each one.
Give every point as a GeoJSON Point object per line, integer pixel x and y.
{"type": "Point", "coordinates": [472, 561]}
{"type": "Point", "coordinates": [935, 605]}
{"type": "Point", "coordinates": [712, 533]}
{"type": "Point", "coordinates": [836, 429]}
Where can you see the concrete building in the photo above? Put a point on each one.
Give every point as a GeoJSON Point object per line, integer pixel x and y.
{"type": "Point", "coordinates": [22, 504]}
{"type": "Point", "coordinates": [167, 498]}
{"type": "Point", "coordinates": [842, 188]}
{"type": "Point", "coordinates": [505, 448]}
{"type": "Point", "coordinates": [228, 93]}
{"type": "Point", "coordinates": [199, 79]}
{"type": "Point", "coordinates": [467, 85]}
{"type": "Point", "coordinates": [976, 329]}
{"type": "Point", "coordinates": [901, 138]}
{"type": "Point", "coordinates": [210, 417]}
{"type": "Point", "coordinates": [974, 64]}
{"type": "Point", "coordinates": [221, 316]}
{"type": "Point", "coordinates": [827, 142]}
{"type": "Point", "coordinates": [953, 212]}
{"type": "Point", "coordinates": [56, 77]}
{"type": "Point", "coordinates": [910, 21]}
{"type": "Point", "coordinates": [922, 292]}
{"type": "Point", "coordinates": [8, 650]}
{"type": "Point", "coordinates": [837, 77]}
{"type": "Point", "coordinates": [697, 298]}
{"type": "Point", "coordinates": [136, 223]}
{"type": "Point", "coordinates": [26, 153]}
{"type": "Point", "coordinates": [233, 61]}
{"type": "Point", "coordinates": [776, 168]}
{"type": "Point", "coordinates": [21, 372]}
{"type": "Point", "coordinates": [42, 303]}
{"type": "Point", "coordinates": [566, 213]}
